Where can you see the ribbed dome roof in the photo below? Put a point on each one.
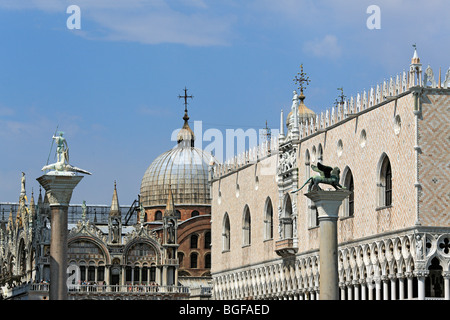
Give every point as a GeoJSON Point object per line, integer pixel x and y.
{"type": "Point", "coordinates": [183, 168]}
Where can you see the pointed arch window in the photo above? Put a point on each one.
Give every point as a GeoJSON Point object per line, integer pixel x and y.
{"type": "Point", "coordinates": [384, 184]}
{"type": "Point", "coordinates": [286, 219]}
{"type": "Point", "coordinates": [388, 182]}
{"type": "Point", "coordinates": [226, 233]}
{"type": "Point", "coordinates": [268, 220]}
{"type": "Point", "coordinates": [246, 227]}
{"type": "Point", "coordinates": [349, 203]}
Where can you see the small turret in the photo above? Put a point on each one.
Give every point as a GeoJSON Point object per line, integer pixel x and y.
{"type": "Point", "coordinates": [115, 219]}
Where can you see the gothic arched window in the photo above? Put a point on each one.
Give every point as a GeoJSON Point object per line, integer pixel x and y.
{"type": "Point", "coordinates": [287, 218]}
{"type": "Point", "coordinates": [268, 220]}
{"type": "Point", "coordinates": [246, 227]}
{"type": "Point", "coordinates": [226, 233]}
{"type": "Point", "coordinates": [158, 215]}
{"type": "Point", "coordinates": [349, 203]}
{"type": "Point", "coordinates": [384, 184]}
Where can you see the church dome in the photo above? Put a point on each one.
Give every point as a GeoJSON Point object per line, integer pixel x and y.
{"type": "Point", "coordinates": [184, 169]}
{"type": "Point", "coordinates": [304, 113]}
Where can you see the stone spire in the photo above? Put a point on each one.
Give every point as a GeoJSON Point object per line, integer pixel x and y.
{"type": "Point", "coordinates": [415, 70]}
{"type": "Point", "coordinates": [40, 200]}
{"type": "Point", "coordinates": [32, 211]}
{"type": "Point", "coordinates": [415, 59]}
{"type": "Point", "coordinates": [11, 225]}
{"type": "Point", "coordinates": [115, 219]}
{"type": "Point", "coordinates": [115, 208]}
{"type": "Point", "coordinates": [170, 207]}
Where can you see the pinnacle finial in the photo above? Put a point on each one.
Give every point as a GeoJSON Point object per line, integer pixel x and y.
{"type": "Point", "coordinates": [302, 80]}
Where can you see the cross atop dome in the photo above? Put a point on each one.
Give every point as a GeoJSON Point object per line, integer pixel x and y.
{"type": "Point", "coordinates": [185, 97]}
{"type": "Point", "coordinates": [186, 136]}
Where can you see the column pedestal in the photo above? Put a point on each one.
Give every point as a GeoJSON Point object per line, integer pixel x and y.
{"type": "Point", "coordinates": [328, 203]}
{"type": "Point", "coordinates": [59, 187]}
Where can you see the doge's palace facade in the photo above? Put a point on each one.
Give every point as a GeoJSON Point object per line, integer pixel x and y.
{"type": "Point", "coordinates": [392, 145]}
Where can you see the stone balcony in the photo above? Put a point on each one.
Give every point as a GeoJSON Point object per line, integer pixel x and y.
{"type": "Point", "coordinates": [286, 247]}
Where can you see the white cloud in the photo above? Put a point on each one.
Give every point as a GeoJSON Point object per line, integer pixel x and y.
{"type": "Point", "coordinates": [327, 47]}
{"type": "Point", "coordinates": [167, 27]}
{"type": "Point", "coordinates": [189, 22]}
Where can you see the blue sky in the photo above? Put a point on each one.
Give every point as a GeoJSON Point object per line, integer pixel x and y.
{"type": "Point", "coordinates": [113, 85]}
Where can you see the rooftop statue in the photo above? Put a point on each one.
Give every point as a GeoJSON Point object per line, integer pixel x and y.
{"type": "Point", "coordinates": [328, 175]}
{"type": "Point", "coordinates": [62, 157]}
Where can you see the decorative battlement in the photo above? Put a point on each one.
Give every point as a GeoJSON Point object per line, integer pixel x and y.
{"type": "Point", "coordinates": [255, 154]}
{"type": "Point", "coordinates": [350, 107]}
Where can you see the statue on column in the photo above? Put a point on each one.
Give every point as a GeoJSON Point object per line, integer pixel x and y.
{"type": "Point", "coordinates": [22, 181]}
{"type": "Point", "coordinates": [62, 160]}
{"type": "Point", "coordinates": [62, 149]}
{"type": "Point", "coordinates": [328, 175]}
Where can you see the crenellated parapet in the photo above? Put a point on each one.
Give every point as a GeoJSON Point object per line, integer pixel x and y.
{"type": "Point", "coordinates": [248, 157]}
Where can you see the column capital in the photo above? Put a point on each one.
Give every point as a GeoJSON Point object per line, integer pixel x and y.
{"type": "Point", "coordinates": [421, 273]}
{"type": "Point", "coordinates": [328, 202]}
{"type": "Point", "coordinates": [392, 276]}
{"type": "Point", "coordinates": [59, 187]}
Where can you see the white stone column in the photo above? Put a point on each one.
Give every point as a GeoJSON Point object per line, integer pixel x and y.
{"type": "Point", "coordinates": [107, 279]}
{"type": "Point", "coordinates": [328, 203]}
{"type": "Point", "coordinates": [401, 286]}
{"type": "Point", "coordinates": [59, 187]}
{"type": "Point", "coordinates": [356, 289]}
{"type": "Point", "coordinates": [349, 291]}
{"type": "Point", "coordinates": [342, 288]}
{"type": "Point", "coordinates": [385, 280]}
{"type": "Point", "coordinates": [446, 275]}
{"type": "Point", "coordinates": [421, 274]}
{"type": "Point", "coordinates": [409, 276]}
{"type": "Point", "coordinates": [378, 288]}
{"type": "Point", "coordinates": [370, 289]}
{"type": "Point", "coordinates": [164, 276]}
{"type": "Point", "coordinates": [363, 289]}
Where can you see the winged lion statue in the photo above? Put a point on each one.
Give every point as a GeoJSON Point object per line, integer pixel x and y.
{"type": "Point", "coordinates": [328, 175]}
